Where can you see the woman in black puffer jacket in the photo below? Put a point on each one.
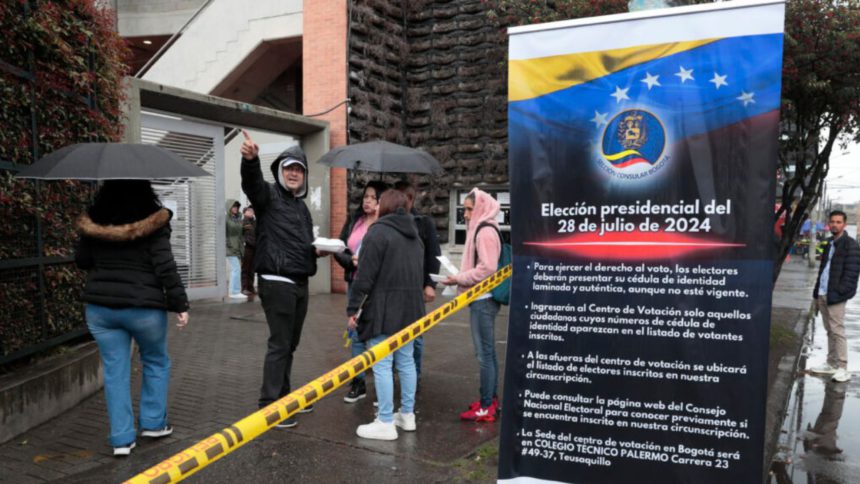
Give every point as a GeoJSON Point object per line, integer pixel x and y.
{"type": "Point", "coordinates": [132, 282]}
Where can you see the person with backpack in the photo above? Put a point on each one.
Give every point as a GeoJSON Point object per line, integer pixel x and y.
{"type": "Point", "coordinates": [480, 260]}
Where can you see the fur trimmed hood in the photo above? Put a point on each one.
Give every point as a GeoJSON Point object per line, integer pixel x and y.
{"type": "Point", "coordinates": [126, 232]}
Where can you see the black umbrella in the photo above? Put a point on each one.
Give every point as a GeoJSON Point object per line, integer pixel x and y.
{"type": "Point", "coordinates": [381, 156]}
{"type": "Point", "coordinates": [111, 161]}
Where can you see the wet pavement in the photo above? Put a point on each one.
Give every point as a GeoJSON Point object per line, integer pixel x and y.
{"type": "Point", "coordinates": [820, 439]}
{"type": "Point", "coordinates": [215, 379]}
{"type": "Point", "coordinates": [216, 371]}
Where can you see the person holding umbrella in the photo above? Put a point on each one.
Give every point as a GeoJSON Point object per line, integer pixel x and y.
{"type": "Point", "coordinates": [285, 259]}
{"type": "Point", "coordinates": [352, 234]}
{"type": "Point", "coordinates": [132, 282]}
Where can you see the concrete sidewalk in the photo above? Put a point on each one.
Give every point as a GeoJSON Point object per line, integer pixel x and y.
{"type": "Point", "coordinates": [217, 366]}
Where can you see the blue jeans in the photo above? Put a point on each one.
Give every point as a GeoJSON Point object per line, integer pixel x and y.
{"type": "Point", "coordinates": [356, 346]}
{"type": "Point", "coordinates": [482, 319]}
{"type": "Point", "coordinates": [383, 378]}
{"type": "Point", "coordinates": [113, 330]}
{"type": "Point", "coordinates": [235, 274]}
{"type": "Point", "coordinates": [418, 351]}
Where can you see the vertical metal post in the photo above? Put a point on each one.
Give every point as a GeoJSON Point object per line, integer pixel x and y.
{"type": "Point", "coordinates": [34, 130]}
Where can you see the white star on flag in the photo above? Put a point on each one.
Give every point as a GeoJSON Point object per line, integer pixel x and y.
{"type": "Point", "coordinates": [685, 74]}
{"type": "Point", "coordinates": [599, 118]}
{"type": "Point", "coordinates": [651, 81]}
{"type": "Point", "coordinates": [620, 94]}
{"type": "Point", "coordinates": [719, 80]}
{"type": "Point", "coordinates": [746, 98]}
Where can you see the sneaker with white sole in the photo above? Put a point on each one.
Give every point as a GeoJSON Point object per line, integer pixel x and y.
{"type": "Point", "coordinates": [823, 370]}
{"type": "Point", "coordinates": [405, 421]}
{"type": "Point", "coordinates": [287, 423]}
{"type": "Point", "coordinates": [357, 391]}
{"type": "Point", "coordinates": [377, 430]}
{"type": "Point", "coordinates": [238, 295]}
{"type": "Point", "coordinates": [841, 376]}
{"type": "Point", "coordinates": [123, 450]}
{"type": "Point", "coordinates": [308, 409]}
{"type": "Point", "coordinates": [157, 433]}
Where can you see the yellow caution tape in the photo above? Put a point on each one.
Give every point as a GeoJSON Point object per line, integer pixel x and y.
{"type": "Point", "coordinates": [217, 445]}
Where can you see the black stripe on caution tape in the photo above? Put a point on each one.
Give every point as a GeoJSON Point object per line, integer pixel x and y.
{"type": "Point", "coordinates": [188, 465]}
{"type": "Point", "coordinates": [230, 440]}
{"type": "Point", "coordinates": [211, 452]}
{"type": "Point", "coordinates": [162, 479]}
{"type": "Point", "coordinates": [237, 432]}
{"type": "Point", "coordinates": [273, 418]}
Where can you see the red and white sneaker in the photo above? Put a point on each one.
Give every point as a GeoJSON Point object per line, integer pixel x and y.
{"type": "Point", "coordinates": [480, 414]}
{"type": "Point", "coordinates": [477, 404]}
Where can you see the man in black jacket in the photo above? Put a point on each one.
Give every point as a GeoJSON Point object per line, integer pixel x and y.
{"type": "Point", "coordinates": [836, 284]}
{"type": "Point", "coordinates": [284, 259]}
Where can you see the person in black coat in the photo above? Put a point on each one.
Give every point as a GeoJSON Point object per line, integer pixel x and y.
{"type": "Point", "coordinates": [388, 289]}
{"type": "Point", "coordinates": [836, 284]}
{"type": "Point", "coordinates": [284, 259]}
{"type": "Point", "coordinates": [351, 234]}
{"type": "Point", "coordinates": [131, 282]}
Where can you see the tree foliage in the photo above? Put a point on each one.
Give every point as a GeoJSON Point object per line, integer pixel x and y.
{"type": "Point", "coordinates": [820, 89]}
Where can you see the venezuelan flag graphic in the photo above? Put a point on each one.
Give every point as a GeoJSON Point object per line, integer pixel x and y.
{"type": "Point", "coordinates": [636, 105]}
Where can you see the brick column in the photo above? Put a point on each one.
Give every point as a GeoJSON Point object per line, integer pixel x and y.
{"type": "Point", "coordinates": [324, 81]}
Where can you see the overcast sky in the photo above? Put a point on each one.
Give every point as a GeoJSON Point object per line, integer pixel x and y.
{"type": "Point", "coordinates": [843, 179]}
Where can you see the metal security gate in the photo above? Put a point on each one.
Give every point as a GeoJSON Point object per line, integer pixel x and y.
{"type": "Point", "coordinates": [198, 237]}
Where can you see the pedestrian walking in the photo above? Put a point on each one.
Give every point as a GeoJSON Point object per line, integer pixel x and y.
{"type": "Point", "coordinates": [233, 227]}
{"type": "Point", "coordinates": [836, 284]}
{"type": "Point", "coordinates": [284, 259]}
{"type": "Point", "coordinates": [132, 282]}
{"type": "Point", "coordinates": [430, 238]}
{"type": "Point", "coordinates": [249, 237]}
{"type": "Point", "coordinates": [388, 290]}
{"type": "Point", "coordinates": [352, 234]}
{"type": "Point", "coordinates": [480, 260]}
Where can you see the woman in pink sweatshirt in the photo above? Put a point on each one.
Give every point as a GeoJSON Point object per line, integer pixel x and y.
{"type": "Point", "coordinates": [480, 260]}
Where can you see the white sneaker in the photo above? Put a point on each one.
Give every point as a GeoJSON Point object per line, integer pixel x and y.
{"type": "Point", "coordinates": [123, 450]}
{"type": "Point", "coordinates": [238, 295]}
{"type": "Point", "coordinates": [842, 375]}
{"type": "Point", "coordinates": [823, 370]}
{"type": "Point", "coordinates": [405, 421]}
{"type": "Point", "coordinates": [377, 430]}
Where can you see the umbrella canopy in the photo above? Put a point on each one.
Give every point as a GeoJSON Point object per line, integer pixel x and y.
{"type": "Point", "coordinates": [111, 161]}
{"type": "Point", "coordinates": [381, 156]}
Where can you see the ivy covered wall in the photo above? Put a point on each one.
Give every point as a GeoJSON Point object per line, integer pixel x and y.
{"type": "Point", "coordinates": [61, 67]}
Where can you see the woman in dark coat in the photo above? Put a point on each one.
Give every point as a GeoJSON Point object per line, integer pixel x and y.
{"type": "Point", "coordinates": [132, 282]}
{"type": "Point", "coordinates": [352, 234]}
{"type": "Point", "coordinates": [389, 290]}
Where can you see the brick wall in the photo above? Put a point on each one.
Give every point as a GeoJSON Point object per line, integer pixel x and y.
{"type": "Point", "coordinates": [324, 81]}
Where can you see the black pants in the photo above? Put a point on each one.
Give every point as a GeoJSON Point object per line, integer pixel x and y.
{"type": "Point", "coordinates": [285, 306]}
{"type": "Point", "coordinates": [248, 269]}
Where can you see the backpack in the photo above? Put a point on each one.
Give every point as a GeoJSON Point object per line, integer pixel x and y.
{"type": "Point", "coordinates": [501, 293]}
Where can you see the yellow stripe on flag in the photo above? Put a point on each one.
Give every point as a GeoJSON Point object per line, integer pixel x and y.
{"type": "Point", "coordinates": [531, 78]}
